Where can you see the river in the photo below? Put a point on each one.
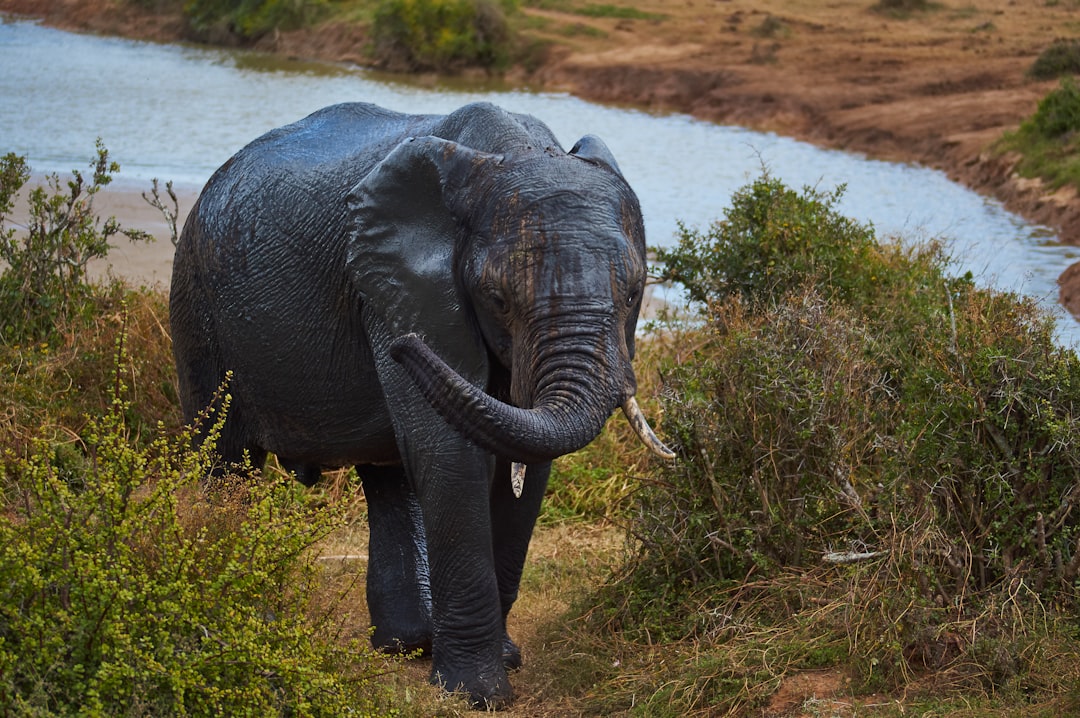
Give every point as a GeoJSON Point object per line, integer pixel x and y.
{"type": "Point", "coordinates": [178, 112]}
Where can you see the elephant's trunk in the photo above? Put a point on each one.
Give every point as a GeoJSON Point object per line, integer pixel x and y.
{"type": "Point", "coordinates": [550, 429]}
{"type": "Point", "coordinates": [571, 403]}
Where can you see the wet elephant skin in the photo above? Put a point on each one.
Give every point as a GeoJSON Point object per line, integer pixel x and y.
{"type": "Point", "coordinates": [429, 299]}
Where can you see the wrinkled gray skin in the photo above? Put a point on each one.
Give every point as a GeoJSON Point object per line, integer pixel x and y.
{"type": "Point", "coordinates": [390, 291]}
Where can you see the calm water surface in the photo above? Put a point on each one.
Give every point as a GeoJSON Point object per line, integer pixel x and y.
{"type": "Point", "coordinates": [177, 113]}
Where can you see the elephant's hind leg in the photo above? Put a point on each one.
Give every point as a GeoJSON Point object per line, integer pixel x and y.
{"type": "Point", "coordinates": [398, 589]}
{"type": "Point", "coordinates": [306, 474]}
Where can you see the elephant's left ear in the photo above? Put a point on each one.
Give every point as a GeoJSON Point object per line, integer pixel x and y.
{"type": "Point", "coordinates": [401, 253]}
{"type": "Point", "coordinates": [592, 149]}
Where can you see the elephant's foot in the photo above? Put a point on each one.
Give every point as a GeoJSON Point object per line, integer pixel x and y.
{"type": "Point", "coordinates": [511, 654]}
{"type": "Point", "coordinates": [486, 690]}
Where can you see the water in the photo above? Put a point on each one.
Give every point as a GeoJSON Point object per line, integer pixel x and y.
{"type": "Point", "coordinates": [177, 113]}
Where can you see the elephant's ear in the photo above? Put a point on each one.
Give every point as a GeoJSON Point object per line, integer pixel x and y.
{"type": "Point", "coordinates": [401, 254]}
{"type": "Point", "coordinates": [592, 149]}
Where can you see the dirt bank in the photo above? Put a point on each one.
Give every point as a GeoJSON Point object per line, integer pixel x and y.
{"type": "Point", "coordinates": [936, 87]}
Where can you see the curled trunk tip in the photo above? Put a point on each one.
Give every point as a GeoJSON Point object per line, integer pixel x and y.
{"type": "Point", "coordinates": [550, 429]}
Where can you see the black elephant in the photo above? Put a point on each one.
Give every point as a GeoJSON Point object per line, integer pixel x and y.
{"type": "Point", "coordinates": [439, 301]}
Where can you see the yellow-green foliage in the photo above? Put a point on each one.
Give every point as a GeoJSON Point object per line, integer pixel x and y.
{"type": "Point", "coordinates": [126, 589]}
{"type": "Point", "coordinates": [249, 19]}
{"type": "Point", "coordinates": [442, 35]}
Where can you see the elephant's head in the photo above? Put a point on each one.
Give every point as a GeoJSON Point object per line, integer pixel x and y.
{"type": "Point", "coordinates": [532, 263]}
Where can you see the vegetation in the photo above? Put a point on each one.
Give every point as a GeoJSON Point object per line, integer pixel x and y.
{"type": "Point", "coordinates": [44, 277]}
{"type": "Point", "coordinates": [442, 35]}
{"type": "Point", "coordinates": [1048, 140]}
{"type": "Point", "coordinates": [126, 589]}
{"type": "Point", "coordinates": [877, 481]}
{"type": "Point", "coordinates": [250, 19]}
{"type": "Point", "coordinates": [1061, 58]}
{"type": "Point", "coordinates": [127, 586]}
{"type": "Point", "coordinates": [902, 8]}
{"type": "Point", "coordinates": [877, 475]}
{"type": "Point", "coordinates": [595, 10]}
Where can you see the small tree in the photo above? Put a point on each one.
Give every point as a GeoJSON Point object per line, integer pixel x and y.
{"type": "Point", "coordinates": [44, 274]}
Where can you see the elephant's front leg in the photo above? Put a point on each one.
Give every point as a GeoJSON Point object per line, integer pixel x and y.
{"type": "Point", "coordinates": [453, 485]}
{"type": "Point", "coordinates": [512, 522]}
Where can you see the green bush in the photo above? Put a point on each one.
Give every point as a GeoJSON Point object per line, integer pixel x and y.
{"type": "Point", "coordinates": [772, 240]}
{"type": "Point", "coordinates": [901, 8]}
{"type": "Point", "coordinates": [44, 274]}
{"type": "Point", "coordinates": [441, 35]}
{"type": "Point", "coordinates": [126, 590]}
{"type": "Point", "coordinates": [1048, 140]}
{"type": "Point", "coordinates": [1060, 58]}
{"type": "Point", "coordinates": [250, 19]}
{"type": "Point", "coordinates": [852, 421]}
{"type": "Point", "coordinates": [1058, 113]}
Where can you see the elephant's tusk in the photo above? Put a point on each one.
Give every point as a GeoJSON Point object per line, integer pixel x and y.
{"type": "Point", "coordinates": [517, 478]}
{"type": "Point", "coordinates": [644, 431]}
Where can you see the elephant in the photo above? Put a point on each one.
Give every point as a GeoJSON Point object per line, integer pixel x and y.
{"type": "Point", "coordinates": [446, 303]}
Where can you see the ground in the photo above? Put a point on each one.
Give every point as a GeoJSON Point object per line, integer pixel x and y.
{"type": "Point", "coordinates": [935, 87]}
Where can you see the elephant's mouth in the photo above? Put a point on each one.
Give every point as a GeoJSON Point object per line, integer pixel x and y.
{"type": "Point", "coordinates": [524, 436]}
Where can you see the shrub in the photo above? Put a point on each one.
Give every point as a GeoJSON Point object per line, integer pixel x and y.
{"type": "Point", "coordinates": [772, 240]}
{"type": "Point", "coordinates": [440, 35]}
{"type": "Point", "coordinates": [127, 590]}
{"type": "Point", "coordinates": [1048, 140]}
{"type": "Point", "coordinates": [44, 278]}
{"type": "Point", "coordinates": [250, 19]}
{"type": "Point", "coordinates": [854, 425]}
{"type": "Point", "coordinates": [54, 387]}
{"type": "Point", "coordinates": [901, 8]}
{"type": "Point", "coordinates": [1058, 113]}
{"type": "Point", "coordinates": [1060, 58]}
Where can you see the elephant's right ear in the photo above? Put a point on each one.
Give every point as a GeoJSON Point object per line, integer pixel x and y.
{"type": "Point", "coordinates": [401, 253]}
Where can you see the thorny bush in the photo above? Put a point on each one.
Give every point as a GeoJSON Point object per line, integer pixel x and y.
{"type": "Point", "coordinates": [844, 402]}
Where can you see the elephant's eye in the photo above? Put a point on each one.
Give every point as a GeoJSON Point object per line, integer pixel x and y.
{"type": "Point", "coordinates": [495, 298]}
{"type": "Point", "coordinates": [632, 297]}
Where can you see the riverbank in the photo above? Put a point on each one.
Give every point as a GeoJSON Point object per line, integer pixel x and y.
{"type": "Point", "coordinates": [936, 88]}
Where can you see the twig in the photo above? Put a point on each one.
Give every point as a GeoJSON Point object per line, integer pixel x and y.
{"type": "Point", "coordinates": [851, 556]}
